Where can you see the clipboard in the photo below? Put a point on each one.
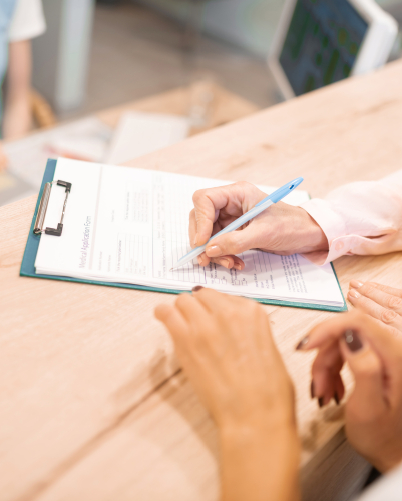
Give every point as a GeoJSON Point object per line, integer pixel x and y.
{"type": "Point", "coordinates": [32, 245]}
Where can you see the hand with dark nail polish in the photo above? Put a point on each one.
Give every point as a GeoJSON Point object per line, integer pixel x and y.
{"type": "Point", "coordinates": [373, 411]}
{"type": "Point", "coordinates": [302, 344]}
{"type": "Point", "coordinates": [352, 340]}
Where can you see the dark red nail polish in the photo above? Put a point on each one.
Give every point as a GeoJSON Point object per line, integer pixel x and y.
{"type": "Point", "coordinates": [302, 343]}
{"type": "Point", "coordinates": [312, 389]}
{"type": "Point", "coordinates": [321, 402]}
{"type": "Point", "coordinates": [197, 288]}
{"type": "Point", "coordinates": [352, 340]}
{"type": "Point", "coordinates": [336, 398]}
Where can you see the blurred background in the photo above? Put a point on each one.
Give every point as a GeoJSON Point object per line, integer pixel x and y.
{"type": "Point", "coordinates": [117, 50]}
{"type": "Point", "coordinates": [106, 71]}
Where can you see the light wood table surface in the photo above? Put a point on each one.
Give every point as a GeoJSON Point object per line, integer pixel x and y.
{"type": "Point", "coordinates": [226, 106]}
{"type": "Point", "coordinates": [93, 404]}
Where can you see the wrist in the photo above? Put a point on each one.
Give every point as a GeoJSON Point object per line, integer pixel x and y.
{"type": "Point", "coordinates": [260, 460]}
{"type": "Point", "coordinates": [313, 234]}
{"type": "Point", "coordinates": [247, 431]}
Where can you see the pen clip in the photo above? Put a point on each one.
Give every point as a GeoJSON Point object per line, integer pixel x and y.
{"type": "Point", "coordinates": [281, 192]}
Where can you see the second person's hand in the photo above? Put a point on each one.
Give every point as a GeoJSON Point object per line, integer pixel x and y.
{"type": "Point", "coordinates": [373, 411]}
{"type": "Point", "coordinates": [226, 348]}
{"type": "Point", "coordinates": [281, 229]}
{"type": "Point", "coordinates": [380, 302]}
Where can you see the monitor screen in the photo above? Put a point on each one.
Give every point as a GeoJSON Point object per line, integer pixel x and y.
{"type": "Point", "coordinates": [322, 43]}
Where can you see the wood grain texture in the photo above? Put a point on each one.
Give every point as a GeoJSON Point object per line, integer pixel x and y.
{"type": "Point", "coordinates": [92, 402]}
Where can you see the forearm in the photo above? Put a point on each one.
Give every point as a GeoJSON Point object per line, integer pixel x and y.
{"type": "Point", "coordinates": [260, 463]}
{"type": "Point", "coordinates": [17, 106]}
{"type": "Point", "coordinates": [360, 218]}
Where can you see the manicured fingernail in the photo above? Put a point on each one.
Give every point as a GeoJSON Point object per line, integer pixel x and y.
{"type": "Point", "coordinates": [352, 340]}
{"type": "Point", "coordinates": [237, 266]}
{"type": "Point", "coordinates": [199, 260]}
{"type": "Point", "coordinates": [336, 398]}
{"type": "Point", "coordinates": [303, 343]}
{"type": "Point", "coordinates": [224, 262]}
{"type": "Point", "coordinates": [195, 240]}
{"type": "Point", "coordinates": [312, 389]}
{"type": "Point", "coordinates": [321, 402]}
{"type": "Point", "coordinates": [214, 251]}
{"type": "Point", "coordinates": [197, 288]}
{"type": "Point", "coordinates": [355, 284]}
{"type": "Point", "coordinates": [354, 293]}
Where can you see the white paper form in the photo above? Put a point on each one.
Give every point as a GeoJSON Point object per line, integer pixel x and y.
{"type": "Point", "coordinates": [130, 225]}
{"type": "Point", "coordinates": [139, 133]}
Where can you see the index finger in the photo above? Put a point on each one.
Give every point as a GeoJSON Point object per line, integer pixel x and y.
{"type": "Point", "coordinates": [207, 204]}
{"type": "Point", "coordinates": [389, 290]}
{"type": "Point", "coordinates": [217, 302]}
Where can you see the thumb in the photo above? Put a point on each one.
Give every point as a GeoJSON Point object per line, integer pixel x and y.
{"type": "Point", "coordinates": [233, 243]}
{"type": "Point", "coordinates": [369, 393]}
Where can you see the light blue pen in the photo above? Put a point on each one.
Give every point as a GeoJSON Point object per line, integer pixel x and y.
{"type": "Point", "coordinates": [276, 196]}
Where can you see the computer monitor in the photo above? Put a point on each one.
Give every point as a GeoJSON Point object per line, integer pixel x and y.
{"type": "Point", "coordinates": [320, 42]}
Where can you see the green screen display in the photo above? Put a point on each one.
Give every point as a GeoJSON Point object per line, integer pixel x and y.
{"type": "Point", "coordinates": [322, 43]}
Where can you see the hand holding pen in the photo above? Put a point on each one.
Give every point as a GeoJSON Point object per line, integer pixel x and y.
{"type": "Point", "coordinates": [282, 229]}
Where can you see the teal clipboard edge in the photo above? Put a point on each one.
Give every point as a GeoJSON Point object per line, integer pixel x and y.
{"type": "Point", "coordinates": [31, 249]}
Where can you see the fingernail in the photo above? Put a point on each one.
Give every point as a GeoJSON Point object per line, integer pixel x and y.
{"type": "Point", "coordinates": [237, 266]}
{"type": "Point", "coordinates": [356, 284]}
{"type": "Point", "coordinates": [312, 393]}
{"type": "Point", "coordinates": [303, 343]}
{"type": "Point", "coordinates": [321, 402]}
{"type": "Point", "coordinates": [352, 340]}
{"type": "Point", "coordinates": [214, 251]}
{"type": "Point", "coordinates": [199, 260]}
{"type": "Point", "coordinates": [224, 262]}
{"type": "Point", "coordinates": [197, 288]}
{"type": "Point", "coordinates": [354, 293]}
{"type": "Point", "coordinates": [336, 398]}
{"type": "Point", "coordinates": [195, 240]}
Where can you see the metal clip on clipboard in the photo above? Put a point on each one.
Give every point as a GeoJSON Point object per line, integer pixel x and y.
{"type": "Point", "coordinates": [40, 218]}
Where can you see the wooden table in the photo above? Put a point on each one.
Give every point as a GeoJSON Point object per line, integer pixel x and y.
{"type": "Point", "coordinates": [93, 403]}
{"type": "Point", "coordinates": [225, 108]}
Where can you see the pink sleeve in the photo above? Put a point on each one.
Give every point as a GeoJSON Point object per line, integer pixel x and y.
{"type": "Point", "coordinates": [359, 218]}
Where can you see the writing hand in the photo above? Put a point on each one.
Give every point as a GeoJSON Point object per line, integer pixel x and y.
{"type": "Point", "coordinates": [373, 412]}
{"type": "Point", "coordinates": [281, 229]}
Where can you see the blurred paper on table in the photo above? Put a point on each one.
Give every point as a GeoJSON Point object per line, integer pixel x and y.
{"type": "Point", "coordinates": [13, 188]}
{"type": "Point", "coordinates": [84, 139]}
{"type": "Point", "coordinates": [140, 133]}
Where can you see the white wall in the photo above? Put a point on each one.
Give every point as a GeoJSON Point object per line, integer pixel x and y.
{"type": "Point", "coordinates": [60, 56]}
{"type": "Point", "coordinates": [250, 24]}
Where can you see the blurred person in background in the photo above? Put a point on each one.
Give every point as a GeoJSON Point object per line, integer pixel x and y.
{"type": "Point", "coordinates": [20, 21]}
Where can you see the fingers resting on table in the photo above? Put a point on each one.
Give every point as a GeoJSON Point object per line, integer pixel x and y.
{"type": "Point", "coordinates": [379, 301]}
{"type": "Point", "coordinates": [225, 346]}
